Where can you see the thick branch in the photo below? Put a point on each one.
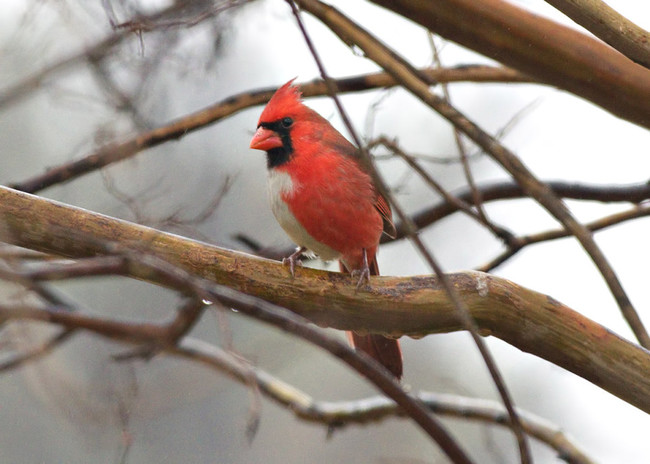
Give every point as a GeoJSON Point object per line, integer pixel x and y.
{"type": "Point", "coordinates": [541, 48]}
{"type": "Point", "coordinates": [609, 25]}
{"type": "Point", "coordinates": [414, 306]}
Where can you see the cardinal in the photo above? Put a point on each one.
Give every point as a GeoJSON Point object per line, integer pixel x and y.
{"type": "Point", "coordinates": [325, 199]}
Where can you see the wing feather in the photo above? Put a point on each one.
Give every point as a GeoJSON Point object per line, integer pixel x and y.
{"type": "Point", "coordinates": [386, 214]}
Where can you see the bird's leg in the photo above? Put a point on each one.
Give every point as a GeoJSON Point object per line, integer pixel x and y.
{"type": "Point", "coordinates": [294, 259]}
{"type": "Point", "coordinates": [364, 272]}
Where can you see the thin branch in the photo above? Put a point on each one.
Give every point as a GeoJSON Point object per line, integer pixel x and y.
{"type": "Point", "coordinates": [187, 17]}
{"type": "Point", "coordinates": [339, 414]}
{"type": "Point", "coordinates": [521, 242]}
{"type": "Point", "coordinates": [120, 101]}
{"type": "Point", "coordinates": [612, 27]}
{"type": "Point", "coordinates": [137, 202]}
{"type": "Point", "coordinates": [392, 63]}
{"type": "Point", "coordinates": [178, 128]}
{"type": "Point", "coordinates": [51, 297]}
{"type": "Point", "coordinates": [36, 353]}
{"type": "Point", "coordinates": [187, 315]}
{"type": "Point", "coordinates": [186, 318]}
{"type": "Point", "coordinates": [464, 157]}
{"type": "Point", "coordinates": [450, 199]}
{"type": "Point", "coordinates": [498, 191]}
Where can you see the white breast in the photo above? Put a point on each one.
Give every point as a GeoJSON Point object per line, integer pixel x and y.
{"type": "Point", "coordinates": [279, 184]}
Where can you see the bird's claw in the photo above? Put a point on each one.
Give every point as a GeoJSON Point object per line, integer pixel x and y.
{"type": "Point", "coordinates": [364, 275]}
{"type": "Point", "coordinates": [294, 259]}
{"type": "Point", "coordinates": [364, 272]}
{"type": "Point", "coordinates": [291, 262]}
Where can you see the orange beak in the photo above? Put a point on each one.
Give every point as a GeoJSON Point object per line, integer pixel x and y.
{"type": "Point", "coordinates": [265, 139]}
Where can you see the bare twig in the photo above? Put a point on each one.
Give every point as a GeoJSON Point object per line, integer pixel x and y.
{"type": "Point", "coordinates": [342, 413]}
{"type": "Point", "coordinates": [178, 220]}
{"type": "Point", "coordinates": [99, 51]}
{"type": "Point", "coordinates": [521, 242]}
{"type": "Point", "coordinates": [37, 352]}
{"type": "Point", "coordinates": [50, 296]}
{"type": "Point", "coordinates": [449, 198]}
{"type": "Point", "coordinates": [632, 193]}
{"type": "Point", "coordinates": [464, 157]}
{"type": "Point", "coordinates": [191, 14]}
{"type": "Point", "coordinates": [206, 212]}
{"type": "Point", "coordinates": [118, 98]}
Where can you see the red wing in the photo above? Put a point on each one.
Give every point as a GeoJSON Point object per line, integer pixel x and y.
{"type": "Point", "coordinates": [384, 209]}
{"type": "Point", "coordinates": [339, 144]}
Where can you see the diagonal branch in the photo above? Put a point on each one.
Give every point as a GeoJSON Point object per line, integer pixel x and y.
{"type": "Point", "coordinates": [178, 128]}
{"type": "Point", "coordinates": [454, 202]}
{"type": "Point", "coordinates": [412, 80]}
{"type": "Point", "coordinates": [414, 306]}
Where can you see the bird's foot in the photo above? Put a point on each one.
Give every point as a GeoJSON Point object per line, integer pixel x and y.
{"type": "Point", "coordinates": [364, 276]}
{"type": "Point", "coordinates": [294, 259]}
{"type": "Point", "coordinates": [363, 273]}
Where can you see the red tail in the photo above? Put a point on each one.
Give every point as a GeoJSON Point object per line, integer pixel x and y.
{"type": "Point", "coordinates": [383, 349]}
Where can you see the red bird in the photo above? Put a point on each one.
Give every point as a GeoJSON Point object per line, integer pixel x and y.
{"type": "Point", "coordinates": [324, 199]}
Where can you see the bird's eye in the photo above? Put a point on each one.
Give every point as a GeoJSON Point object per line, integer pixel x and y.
{"type": "Point", "coordinates": [286, 122]}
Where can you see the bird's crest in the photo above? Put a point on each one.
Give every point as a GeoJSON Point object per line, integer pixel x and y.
{"type": "Point", "coordinates": [286, 101]}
